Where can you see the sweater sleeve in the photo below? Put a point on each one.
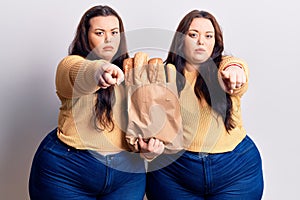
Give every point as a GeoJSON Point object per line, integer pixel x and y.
{"type": "Point", "coordinates": [75, 76]}
{"type": "Point", "coordinates": [228, 60]}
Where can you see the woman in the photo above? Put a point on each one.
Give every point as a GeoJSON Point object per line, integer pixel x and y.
{"type": "Point", "coordinates": [87, 156]}
{"type": "Point", "coordinates": [219, 160]}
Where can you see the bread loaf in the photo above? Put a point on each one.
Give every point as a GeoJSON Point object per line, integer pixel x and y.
{"type": "Point", "coordinates": [140, 65]}
{"type": "Point", "coordinates": [153, 69]}
{"type": "Point", "coordinates": [171, 73]}
{"type": "Point", "coordinates": [128, 70]}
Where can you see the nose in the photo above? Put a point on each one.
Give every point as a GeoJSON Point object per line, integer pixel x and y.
{"type": "Point", "coordinates": [108, 37]}
{"type": "Point", "coordinates": [201, 40]}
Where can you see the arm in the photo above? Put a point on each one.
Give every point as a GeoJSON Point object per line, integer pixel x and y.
{"type": "Point", "coordinates": [233, 75]}
{"type": "Point", "coordinates": [76, 76]}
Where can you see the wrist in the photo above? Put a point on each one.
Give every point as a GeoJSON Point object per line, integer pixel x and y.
{"type": "Point", "coordinates": [148, 158]}
{"type": "Point", "coordinates": [231, 65]}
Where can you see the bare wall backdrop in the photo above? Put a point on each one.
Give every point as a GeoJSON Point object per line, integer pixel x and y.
{"type": "Point", "coordinates": [35, 35]}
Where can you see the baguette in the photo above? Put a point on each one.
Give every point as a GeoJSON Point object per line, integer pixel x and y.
{"type": "Point", "coordinates": [160, 74]}
{"type": "Point", "coordinates": [140, 64]}
{"type": "Point", "coordinates": [128, 71]}
{"type": "Point", "coordinates": [171, 73]}
{"type": "Point", "coordinates": [153, 69]}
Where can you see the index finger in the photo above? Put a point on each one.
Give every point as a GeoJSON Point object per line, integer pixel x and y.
{"type": "Point", "coordinates": [232, 80]}
{"type": "Point", "coordinates": [142, 144]}
{"type": "Point", "coordinates": [119, 75]}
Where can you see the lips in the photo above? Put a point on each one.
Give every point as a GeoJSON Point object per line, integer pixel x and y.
{"type": "Point", "coordinates": [108, 48]}
{"type": "Point", "coordinates": [200, 50]}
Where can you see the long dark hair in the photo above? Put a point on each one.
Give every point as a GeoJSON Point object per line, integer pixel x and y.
{"type": "Point", "coordinates": [207, 84]}
{"type": "Point", "coordinates": [80, 46]}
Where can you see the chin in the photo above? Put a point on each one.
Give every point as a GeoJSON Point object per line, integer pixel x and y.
{"type": "Point", "coordinates": [201, 60]}
{"type": "Point", "coordinates": [107, 57]}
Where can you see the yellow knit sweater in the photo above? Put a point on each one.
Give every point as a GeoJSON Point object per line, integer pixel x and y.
{"type": "Point", "coordinates": [204, 129]}
{"type": "Point", "coordinates": [76, 86]}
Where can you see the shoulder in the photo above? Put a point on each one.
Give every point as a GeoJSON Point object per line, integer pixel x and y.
{"type": "Point", "coordinates": [71, 59]}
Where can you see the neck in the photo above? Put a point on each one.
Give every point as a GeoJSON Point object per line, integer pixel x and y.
{"type": "Point", "coordinates": [190, 67]}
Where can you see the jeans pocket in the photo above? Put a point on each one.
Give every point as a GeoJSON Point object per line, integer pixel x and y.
{"type": "Point", "coordinates": [53, 145]}
{"type": "Point", "coordinates": [244, 146]}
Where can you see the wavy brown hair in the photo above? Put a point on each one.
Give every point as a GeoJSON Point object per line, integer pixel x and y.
{"type": "Point", "coordinates": [80, 46]}
{"type": "Point", "coordinates": [207, 85]}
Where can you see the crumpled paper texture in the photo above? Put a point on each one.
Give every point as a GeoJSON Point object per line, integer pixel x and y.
{"type": "Point", "coordinates": [152, 102]}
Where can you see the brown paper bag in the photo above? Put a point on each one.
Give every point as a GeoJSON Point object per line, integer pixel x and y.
{"type": "Point", "coordinates": [152, 100]}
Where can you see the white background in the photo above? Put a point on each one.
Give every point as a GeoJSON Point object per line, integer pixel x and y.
{"type": "Point", "coordinates": [35, 35]}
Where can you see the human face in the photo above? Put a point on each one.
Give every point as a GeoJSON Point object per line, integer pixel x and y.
{"type": "Point", "coordinates": [199, 42]}
{"type": "Point", "coordinates": [104, 36]}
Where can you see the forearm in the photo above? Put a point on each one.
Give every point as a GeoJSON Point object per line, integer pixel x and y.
{"type": "Point", "coordinates": [232, 62]}
{"type": "Point", "coordinates": [75, 76]}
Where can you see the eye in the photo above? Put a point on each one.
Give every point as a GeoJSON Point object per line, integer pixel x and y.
{"type": "Point", "coordinates": [209, 36]}
{"type": "Point", "coordinates": [193, 35]}
{"type": "Point", "coordinates": [115, 32]}
{"type": "Point", "coordinates": [99, 33]}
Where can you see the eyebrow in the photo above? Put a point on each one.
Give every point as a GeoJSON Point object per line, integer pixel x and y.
{"type": "Point", "coordinates": [198, 31]}
{"type": "Point", "coordinates": [100, 29]}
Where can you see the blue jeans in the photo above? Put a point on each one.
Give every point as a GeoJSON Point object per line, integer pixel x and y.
{"type": "Point", "coordinates": [235, 175]}
{"type": "Point", "coordinates": [60, 172]}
